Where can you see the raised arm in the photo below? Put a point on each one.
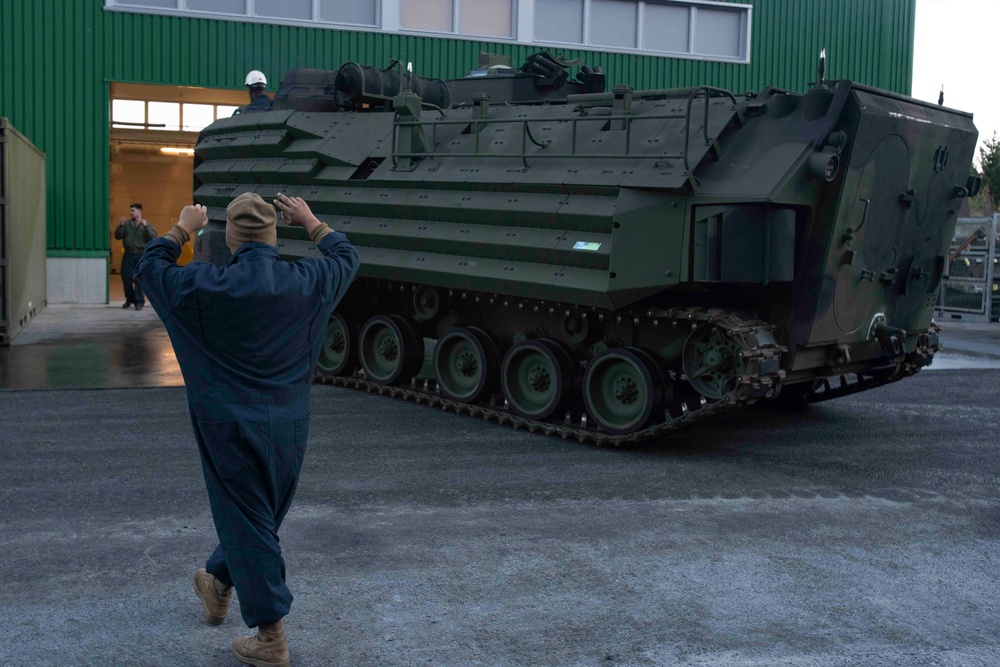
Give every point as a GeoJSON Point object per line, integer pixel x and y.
{"type": "Point", "coordinates": [191, 219]}
{"type": "Point", "coordinates": [157, 271]}
{"type": "Point", "coordinates": [295, 211]}
{"type": "Point", "coordinates": [339, 257]}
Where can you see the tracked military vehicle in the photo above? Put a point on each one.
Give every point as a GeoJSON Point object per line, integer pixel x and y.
{"type": "Point", "coordinates": [607, 265]}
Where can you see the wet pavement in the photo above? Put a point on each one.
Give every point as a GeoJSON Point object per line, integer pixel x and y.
{"type": "Point", "coordinates": [90, 347]}
{"type": "Point", "coordinates": [107, 347]}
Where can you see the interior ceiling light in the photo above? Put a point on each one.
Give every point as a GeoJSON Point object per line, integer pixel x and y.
{"type": "Point", "coordinates": [172, 150]}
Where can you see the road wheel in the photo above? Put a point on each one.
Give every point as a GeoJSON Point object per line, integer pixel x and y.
{"type": "Point", "coordinates": [539, 378]}
{"type": "Point", "coordinates": [465, 364]}
{"type": "Point", "coordinates": [390, 350]}
{"type": "Point", "coordinates": [339, 354]}
{"type": "Point", "coordinates": [623, 390]}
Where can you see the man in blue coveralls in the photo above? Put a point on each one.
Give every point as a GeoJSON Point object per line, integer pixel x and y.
{"type": "Point", "coordinates": [247, 337]}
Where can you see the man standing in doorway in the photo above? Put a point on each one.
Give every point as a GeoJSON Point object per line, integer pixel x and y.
{"type": "Point", "coordinates": [247, 337]}
{"type": "Point", "coordinates": [134, 233]}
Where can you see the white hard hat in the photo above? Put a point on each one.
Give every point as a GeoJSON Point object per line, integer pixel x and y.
{"type": "Point", "coordinates": [256, 78]}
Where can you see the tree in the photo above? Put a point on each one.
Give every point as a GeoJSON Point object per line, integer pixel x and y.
{"type": "Point", "coordinates": [989, 163]}
{"type": "Point", "coordinates": [981, 206]}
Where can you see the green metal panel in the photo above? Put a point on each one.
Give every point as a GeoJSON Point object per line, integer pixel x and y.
{"type": "Point", "coordinates": [57, 66]}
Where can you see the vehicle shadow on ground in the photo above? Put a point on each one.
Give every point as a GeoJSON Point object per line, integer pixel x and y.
{"type": "Point", "coordinates": [743, 431]}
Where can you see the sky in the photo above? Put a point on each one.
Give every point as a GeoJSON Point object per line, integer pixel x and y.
{"type": "Point", "coordinates": [955, 46]}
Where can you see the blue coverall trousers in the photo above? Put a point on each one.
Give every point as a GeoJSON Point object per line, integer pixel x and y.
{"type": "Point", "coordinates": [251, 456]}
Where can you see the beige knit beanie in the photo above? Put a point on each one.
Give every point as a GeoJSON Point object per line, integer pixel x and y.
{"type": "Point", "coordinates": [250, 219]}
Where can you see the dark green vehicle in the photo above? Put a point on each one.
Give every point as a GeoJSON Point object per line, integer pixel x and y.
{"type": "Point", "coordinates": [607, 265]}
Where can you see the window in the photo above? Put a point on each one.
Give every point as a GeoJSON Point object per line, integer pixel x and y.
{"type": "Point", "coordinates": [613, 23]}
{"type": "Point", "coordinates": [150, 115]}
{"type": "Point", "coordinates": [197, 116]}
{"type": "Point", "coordinates": [487, 18]}
{"type": "Point", "coordinates": [128, 113]}
{"type": "Point", "coordinates": [702, 29]}
{"type": "Point", "coordinates": [347, 12]}
{"type": "Point", "coordinates": [163, 115]}
{"type": "Point", "coordinates": [218, 6]}
{"type": "Point", "coordinates": [559, 21]}
{"type": "Point", "coordinates": [667, 28]}
{"type": "Point", "coordinates": [713, 30]}
{"type": "Point", "coordinates": [491, 18]}
{"type": "Point", "coordinates": [339, 11]}
{"type": "Point", "coordinates": [159, 4]}
{"type": "Point", "coordinates": [717, 33]}
{"type": "Point", "coordinates": [436, 15]}
{"type": "Point", "coordinates": [287, 9]}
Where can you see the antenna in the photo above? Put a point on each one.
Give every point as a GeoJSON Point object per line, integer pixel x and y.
{"type": "Point", "coordinates": [821, 69]}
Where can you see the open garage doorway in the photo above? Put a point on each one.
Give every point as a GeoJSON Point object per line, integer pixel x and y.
{"type": "Point", "coordinates": [153, 133]}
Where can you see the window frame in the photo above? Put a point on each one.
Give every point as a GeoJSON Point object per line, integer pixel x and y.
{"type": "Point", "coordinates": [249, 15]}
{"type": "Point", "coordinates": [145, 124]}
{"type": "Point", "coordinates": [456, 23]}
{"type": "Point", "coordinates": [746, 31]}
{"type": "Point", "coordinates": [388, 14]}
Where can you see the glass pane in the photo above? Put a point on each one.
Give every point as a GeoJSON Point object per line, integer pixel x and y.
{"type": "Point", "coordinates": [224, 110]}
{"type": "Point", "coordinates": [164, 4]}
{"type": "Point", "coordinates": [128, 111]}
{"type": "Point", "coordinates": [197, 116]}
{"type": "Point", "coordinates": [559, 21]}
{"type": "Point", "coordinates": [218, 6]}
{"type": "Point", "coordinates": [360, 12]}
{"type": "Point", "coordinates": [284, 9]}
{"type": "Point", "coordinates": [485, 17]}
{"type": "Point", "coordinates": [612, 22]}
{"type": "Point", "coordinates": [164, 116]}
{"type": "Point", "coordinates": [433, 15]}
{"type": "Point", "coordinates": [665, 28]}
{"type": "Point", "coordinates": [717, 32]}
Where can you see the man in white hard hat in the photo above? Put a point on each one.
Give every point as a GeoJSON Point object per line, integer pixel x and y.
{"type": "Point", "coordinates": [256, 84]}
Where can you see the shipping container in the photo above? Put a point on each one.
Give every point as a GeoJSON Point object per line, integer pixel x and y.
{"type": "Point", "coordinates": [22, 231]}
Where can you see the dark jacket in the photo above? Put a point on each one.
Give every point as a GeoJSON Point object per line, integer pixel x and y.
{"type": "Point", "coordinates": [259, 104]}
{"type": "Point", "coordinates": [253, 329]}
{"type": "Point", "coordinates": [134, 236]}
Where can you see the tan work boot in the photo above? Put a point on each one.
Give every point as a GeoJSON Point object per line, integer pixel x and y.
{"type": "Point", "coordinates": [267, 649]}
{"type": "Point", "coordinates": [214, 594]}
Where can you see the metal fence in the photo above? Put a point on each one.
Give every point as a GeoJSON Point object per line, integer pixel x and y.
{"type": "Point", "coordinates": [971, 290]}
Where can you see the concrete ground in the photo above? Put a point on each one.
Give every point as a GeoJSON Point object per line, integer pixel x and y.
{"type": "Point", "coordinates": [862, 531]}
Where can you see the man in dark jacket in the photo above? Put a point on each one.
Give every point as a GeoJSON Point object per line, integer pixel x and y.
{"type": "Point", "coordinates": [247, 337]}
{"type": "Point", "coordinates": [134, 233]}
{"type": "Point", "coordinates": [256, 85]}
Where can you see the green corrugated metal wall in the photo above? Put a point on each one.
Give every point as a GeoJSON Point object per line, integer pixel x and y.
{"type": "Point", "coordinates": [57, 58]}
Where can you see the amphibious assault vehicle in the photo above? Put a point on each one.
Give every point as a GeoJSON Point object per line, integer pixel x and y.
{"type": "Point", "coordinates": [607, 265]}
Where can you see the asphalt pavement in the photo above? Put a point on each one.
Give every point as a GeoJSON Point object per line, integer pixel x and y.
{"type": "Point", "coordinates": [862, 531]}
